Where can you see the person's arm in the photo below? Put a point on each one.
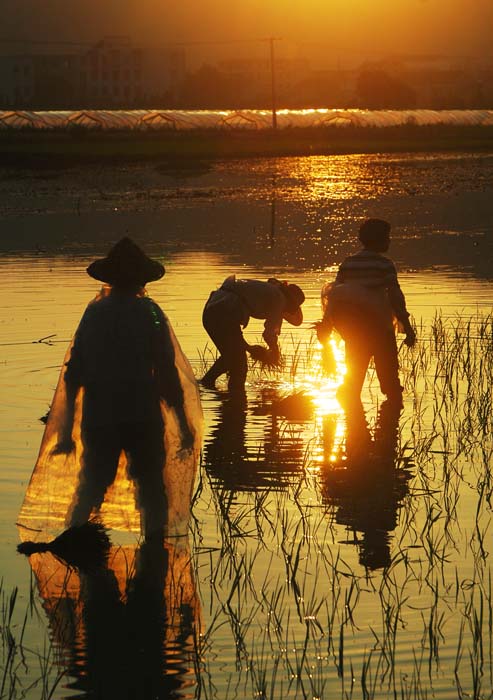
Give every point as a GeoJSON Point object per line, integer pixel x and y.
{"type": "Point", "coordinates": [273, 302]}
{"type": "Point", "coordinates": [324, 327]}
{"type": "Point", "coordinates": [272, 330]}
{"type": "Point", "coordinates": [398, 303]}
{"type": "Point", "coordinates": [73, 381]}
{"type": "Point", "coordinates": [170, 388]}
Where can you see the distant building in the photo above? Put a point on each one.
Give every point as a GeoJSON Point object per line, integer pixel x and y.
{"type": "Point", "coordinates": [253, 77]}
{"type": "Point", "coordinates": [111, 74]}
{"type": "Point", "coordinates": [16, 81]}
{"type": "Point", "coordinates": [440, 82]}
{"type": "Point", "coordinates": [328, 88]}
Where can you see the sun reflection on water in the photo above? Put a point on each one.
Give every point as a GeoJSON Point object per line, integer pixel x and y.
{"type": "Point", "coordinates": [329, 416]}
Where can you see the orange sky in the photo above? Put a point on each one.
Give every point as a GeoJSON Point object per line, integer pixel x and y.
{"type": "Point", "coordinates": [319, 28]}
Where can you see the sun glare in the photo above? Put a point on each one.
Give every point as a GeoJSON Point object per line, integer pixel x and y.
{"type": "Point", "coordinates": [322, 388]}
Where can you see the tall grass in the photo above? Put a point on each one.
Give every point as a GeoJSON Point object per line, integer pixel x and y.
{"type": "Point", "coordinates": [25, 670]}
{"type": "Point", "coordinates": [314, 621]}
{"type": "Point", "coordinates": [349, 579]}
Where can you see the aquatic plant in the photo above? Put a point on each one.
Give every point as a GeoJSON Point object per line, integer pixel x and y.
{"type": "Point", "coordinates": [338, 570]}
{"type": "Point", "coordinates": [306, 617]}
{"type": "Point", "coordinates": [24, 671]}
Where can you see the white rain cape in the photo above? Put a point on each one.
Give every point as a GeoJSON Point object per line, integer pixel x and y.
{"type": "Point", "coordinates": [50, 494]}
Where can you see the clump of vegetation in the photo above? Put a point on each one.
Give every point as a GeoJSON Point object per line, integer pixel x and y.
{"type": "Point", "coordinates": [25, 671]}
{"type": "Point", "coordinates": [366, 571]}
{"type": "Point", "coordinates": [352, 579]}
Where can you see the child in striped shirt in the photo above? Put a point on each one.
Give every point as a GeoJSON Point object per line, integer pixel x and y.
{"type": "Point", "coordinates": [363, 305]}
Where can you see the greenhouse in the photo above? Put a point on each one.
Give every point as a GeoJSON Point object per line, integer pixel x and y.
{"type": "Point", "coordinates": [156, 120]}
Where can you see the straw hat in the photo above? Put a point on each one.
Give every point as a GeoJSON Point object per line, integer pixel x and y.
{"type": "Point", "coordinates": [295, 298]}
{"type": "Point", "coordinates": [293, 314]}
{"type": "Point", "coordinates": [126, 264]}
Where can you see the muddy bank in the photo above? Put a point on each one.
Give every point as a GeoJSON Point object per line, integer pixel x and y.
{"type": "Point", "coordinates": [30, 148]}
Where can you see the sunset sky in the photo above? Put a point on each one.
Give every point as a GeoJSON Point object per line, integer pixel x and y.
{"type": "Point", "coordinates": [321, 29]}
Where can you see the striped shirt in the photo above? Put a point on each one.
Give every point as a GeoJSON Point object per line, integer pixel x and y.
{"type": "Point", "coordinates": [374, 271]}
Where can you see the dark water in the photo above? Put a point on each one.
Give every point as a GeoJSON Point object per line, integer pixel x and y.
{"type": "Point", "coordinates": [291, 212]}
{"type": "Point", "coordinates": [284, 587]}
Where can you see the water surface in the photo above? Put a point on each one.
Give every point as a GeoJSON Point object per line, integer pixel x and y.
{"type": "Point", "coordinates": [308, 575]}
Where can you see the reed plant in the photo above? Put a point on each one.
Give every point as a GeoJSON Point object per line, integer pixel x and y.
{"type": "Point", "coordinates": [346, 580]}
{"type": "Point", "coordinates": [324, 625]}
{"type": "Point", "coordinates": [25, 670]}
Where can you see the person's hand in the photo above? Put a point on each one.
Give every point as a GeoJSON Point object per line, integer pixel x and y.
{"type": "Point", "coordinates": [410, 339]}
{"type": "Point", "coordinates": [64, 446]}
{"type": "Point", "coordinates": [274, 355]}
{"type": "Point", "coordinates": [267, 357]}
{"type": "Point", "coordinates": [323, 332]}
{"type": "Point", "coordinates": [187, 440]}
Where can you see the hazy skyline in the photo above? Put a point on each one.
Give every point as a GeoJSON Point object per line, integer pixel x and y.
{"type": "Point", "coordinates": [324, 30]}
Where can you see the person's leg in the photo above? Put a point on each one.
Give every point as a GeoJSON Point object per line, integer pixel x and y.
{"type": "Point", "coordinates": [236, 359]}
{"type": "Point", "coordinates": [358, 352]}
{"type": "Point", "coordinates": [214, 372]}
{"type": "Point", "coordinates": [224, 328]}
{"type": "Point", "coordinates": [387, 366]}
{"type": "Point", "coordinates": [352, 326]}
{"type": "Point", "coordinates": [215, 322]}
{"type": "Point", "coordinates": [387, 433]}
{"type": "Point", "coordinates": [144, 446]}
{"type": "Point", "coordinates": [101, 451]}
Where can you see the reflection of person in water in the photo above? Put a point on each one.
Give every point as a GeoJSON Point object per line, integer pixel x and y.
{"type": "Point", "coordinates": [225, 450]}
{"type": "Point", "coordinates": [366, 487]}
{"type": "Point", "coordinates": [268, 465]}
{"type": "Point", "coordinates": [127, 630]}
{"type": "Point", "coordinates": [126, 403]}
{"type": "Point", "coordinates": [229, 309]}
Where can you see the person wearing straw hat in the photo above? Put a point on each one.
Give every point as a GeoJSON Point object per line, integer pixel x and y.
{"type": "Point", "coordinates": [228, 311]}
{"type": "Point", "coordinates": [126, 403]}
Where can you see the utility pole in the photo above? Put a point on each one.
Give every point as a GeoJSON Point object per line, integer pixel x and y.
{"type": "Point", "coordinates": [271, 41]}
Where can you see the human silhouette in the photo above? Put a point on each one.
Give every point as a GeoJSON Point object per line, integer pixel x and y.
{"type": "Point", "coordinates": [126, 406]}
{"type": "Point", "coordinates": [364, 483]}
{"type": "Point", "coordinates": [228, 311]}
{"type": "Point", "coordinates": [361, 305]}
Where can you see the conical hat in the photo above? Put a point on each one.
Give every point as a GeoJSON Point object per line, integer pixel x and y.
{"type": "Point", "coordinates": [126, 264]}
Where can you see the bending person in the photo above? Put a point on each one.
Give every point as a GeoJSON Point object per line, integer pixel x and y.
{"type": "Point", "coordinates": [228, 311]}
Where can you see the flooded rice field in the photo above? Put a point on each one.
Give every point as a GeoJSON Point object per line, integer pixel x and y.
{"type": "Point", "coordinates": [330, 553]}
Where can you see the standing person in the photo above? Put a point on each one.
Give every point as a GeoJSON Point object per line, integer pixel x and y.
{"type": "Point", "coordinates": [126, 403]}
{"type": "Point", "coordinates": [228, 311]}
{"type": "Point", "coordinates": [362, 305]}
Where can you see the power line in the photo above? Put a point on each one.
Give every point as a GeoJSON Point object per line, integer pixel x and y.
{"type": "Point", "coordinates": [56, 42]}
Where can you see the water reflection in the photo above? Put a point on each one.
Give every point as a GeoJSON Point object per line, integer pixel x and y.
{"type": "Point", "coordinates": [273, 213]}
{"type": "Point", "coordinates": [300, 211]}
{"type": "Point", "coordinates": [236, 462]}
{"type": "Point", "coordinates": [365, 479]}
{"type": "Point", "coordinates": [125, 630]}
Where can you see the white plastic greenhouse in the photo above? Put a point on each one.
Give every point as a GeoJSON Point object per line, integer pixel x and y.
{"type": "Point", "coordinates": [147, 120]}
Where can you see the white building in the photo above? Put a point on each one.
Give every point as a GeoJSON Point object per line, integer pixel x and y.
{"type": "Point", "coordinates": [112, 73]}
